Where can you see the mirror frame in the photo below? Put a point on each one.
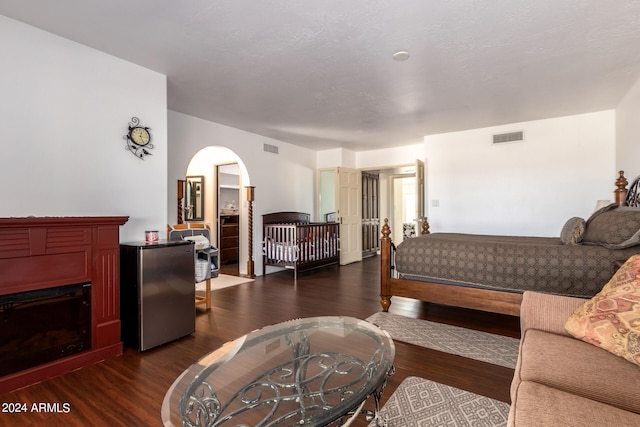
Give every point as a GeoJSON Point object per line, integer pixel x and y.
{"type": "Point", "coordinates": [194, 180]}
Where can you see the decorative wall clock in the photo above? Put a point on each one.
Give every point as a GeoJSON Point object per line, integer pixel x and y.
{"type": "Point", "coordinates": [138, 139]}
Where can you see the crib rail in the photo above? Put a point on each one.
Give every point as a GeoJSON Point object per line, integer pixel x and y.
{"type": "Point", "coordinates": [301, 246]}
{"type": "Point", "coordinates": [280, 244]}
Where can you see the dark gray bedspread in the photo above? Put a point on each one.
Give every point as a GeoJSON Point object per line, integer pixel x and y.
{"type": "Point", "coordinates": [509, 263]}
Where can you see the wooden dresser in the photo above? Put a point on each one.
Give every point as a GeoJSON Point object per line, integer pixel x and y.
{"type": "Point", "coordinates": [229, 250]}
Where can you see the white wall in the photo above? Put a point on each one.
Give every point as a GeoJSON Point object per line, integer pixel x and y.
{"type": "Point", "coordinates": [526, 188]}
{"type": "Point", "coordinates": [384, 158]}
{"type": "Point", "coordinates": [336, 157]}
{"type": "Point", "coordinates": [64, 109]}
{"type": "Point", "coordinates": [390, 157]}
{"type": "Point", "coordinates": [283, 181]}
{"type": "Point", "coordinates": [628, 133]}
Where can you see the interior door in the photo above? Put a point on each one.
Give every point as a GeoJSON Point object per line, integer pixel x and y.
{"type": "Point", "coordinates": [370, 214]}
{"type": "Point", "coordinates": [349, 214]}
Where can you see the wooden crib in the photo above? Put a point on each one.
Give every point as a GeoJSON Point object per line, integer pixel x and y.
{"type": "Point", "coordinates": [291, 241]}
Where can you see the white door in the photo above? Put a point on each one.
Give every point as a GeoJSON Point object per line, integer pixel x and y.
{"type": "Point", "coordinates": [349, 214]}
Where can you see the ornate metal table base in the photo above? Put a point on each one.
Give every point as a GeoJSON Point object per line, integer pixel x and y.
{"type": "Point", "coordinates": [369, 414]}
{"type": "Point", "coordinates": [311, 386]}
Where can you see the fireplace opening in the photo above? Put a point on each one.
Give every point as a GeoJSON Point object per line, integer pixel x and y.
{"type": "Point", "coordinates": [40, 326]}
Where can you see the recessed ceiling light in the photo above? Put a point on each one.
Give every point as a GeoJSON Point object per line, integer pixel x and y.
{"type": "Point", "coordinates": [401, 55]}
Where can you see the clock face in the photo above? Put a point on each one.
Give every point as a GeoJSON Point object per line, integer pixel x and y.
{"type": "Point", "coordinates": [140, 135]}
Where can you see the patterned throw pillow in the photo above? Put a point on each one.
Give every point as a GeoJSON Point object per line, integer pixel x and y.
{"type": "Point", "coordinates": [611, 319]}
{"type": "Point", "coordinates": [572, 231]}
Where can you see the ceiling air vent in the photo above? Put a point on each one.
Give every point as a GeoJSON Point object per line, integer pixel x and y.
{"type": "Point", "coordinates": [270, 148]}
{"type": "Point", "coordinates": [508, 137]}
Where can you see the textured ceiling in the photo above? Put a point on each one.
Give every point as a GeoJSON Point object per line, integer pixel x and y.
{"type": "Point", "coordinates": [320, 73]}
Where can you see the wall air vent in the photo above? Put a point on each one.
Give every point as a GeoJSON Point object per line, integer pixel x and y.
{"type": "Point", "coordinates": [270, 148]}
{"type": "Point", "coordinates": [508, 137]}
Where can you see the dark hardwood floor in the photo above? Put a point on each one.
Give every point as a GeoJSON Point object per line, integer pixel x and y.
{"type": "Point", "coordinates": [230, 269]}
{"type": "Point", "coordinates": [128, 390]}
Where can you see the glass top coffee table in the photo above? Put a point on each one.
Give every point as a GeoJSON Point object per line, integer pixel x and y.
{"type": "Point", "coordinates": [304, 372]}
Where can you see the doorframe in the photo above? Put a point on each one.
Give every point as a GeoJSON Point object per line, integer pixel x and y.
{"type": "Point", "coordinates": [218, 207]}
{"type": "Point", "coordinates": [393, 223]}
{"type": "Point", "coordinates": [387, 173]}
{"type": "Point", "coordinates": [338, 172]}
{"type": "Point", "coordinates": [385, 196]}
{"type": "Point", "coordinates": [371, 224]}
{"type": "Point", "coordinates": [203, 162]}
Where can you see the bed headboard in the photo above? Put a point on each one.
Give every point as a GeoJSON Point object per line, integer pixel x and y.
{"type": "Point", "coordinates": [286, 218]}
{"type": "Point", "coordinates": [633, 195]}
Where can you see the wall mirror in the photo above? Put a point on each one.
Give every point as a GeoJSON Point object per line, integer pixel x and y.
{"type": "Point", "coordinates": [194, 198]}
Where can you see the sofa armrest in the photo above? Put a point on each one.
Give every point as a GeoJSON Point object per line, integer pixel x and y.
{"type": "Point", "coordinates": [546, 312]}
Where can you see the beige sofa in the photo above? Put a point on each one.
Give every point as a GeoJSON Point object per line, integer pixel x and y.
{"type": "Point", "coordinates": [563, 381]}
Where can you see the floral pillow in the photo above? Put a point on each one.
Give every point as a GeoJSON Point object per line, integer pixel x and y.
{"type": "Point", "coordinates": [611, 319]}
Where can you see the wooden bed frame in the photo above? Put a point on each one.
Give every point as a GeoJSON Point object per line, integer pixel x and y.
{"type": "Point", "coordinates": [503, 302]}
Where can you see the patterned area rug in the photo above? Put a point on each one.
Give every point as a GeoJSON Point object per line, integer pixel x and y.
{"type": "Point", "coordinates": [477, 345]}
{"type": "Point", "coordinates": [420, 402]}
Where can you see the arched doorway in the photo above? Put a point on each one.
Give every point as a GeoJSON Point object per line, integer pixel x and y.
{"type": "Point", "coordinates": [225, 178]}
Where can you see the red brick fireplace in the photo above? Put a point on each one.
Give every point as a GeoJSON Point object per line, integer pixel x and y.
{"type": "Point", "coordinates": [47, 252]}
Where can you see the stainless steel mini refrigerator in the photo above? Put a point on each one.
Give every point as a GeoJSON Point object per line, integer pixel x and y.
{"type": "Point", "coordinates": [157, 292]}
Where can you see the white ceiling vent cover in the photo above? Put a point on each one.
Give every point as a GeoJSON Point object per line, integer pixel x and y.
{"type": "Point", "coordinates": [270, 148]}
{"type": "Point", "coordinates": [508, 137]}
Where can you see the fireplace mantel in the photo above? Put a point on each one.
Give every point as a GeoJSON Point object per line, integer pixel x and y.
{"type": "Point", "coordinates": [44, 252]}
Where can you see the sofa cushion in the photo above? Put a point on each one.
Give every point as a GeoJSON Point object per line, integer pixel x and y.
{"type": "Point", "coordinates": [539, 405]}
{"type": "Point", "coordinates": [547, 312]}
{"type": "Point", "coordinates": [572, 231]}
{"type": "Point", "coordinates": [564, 363]}
{"type": "Point", "coordinates": [611, 319]}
